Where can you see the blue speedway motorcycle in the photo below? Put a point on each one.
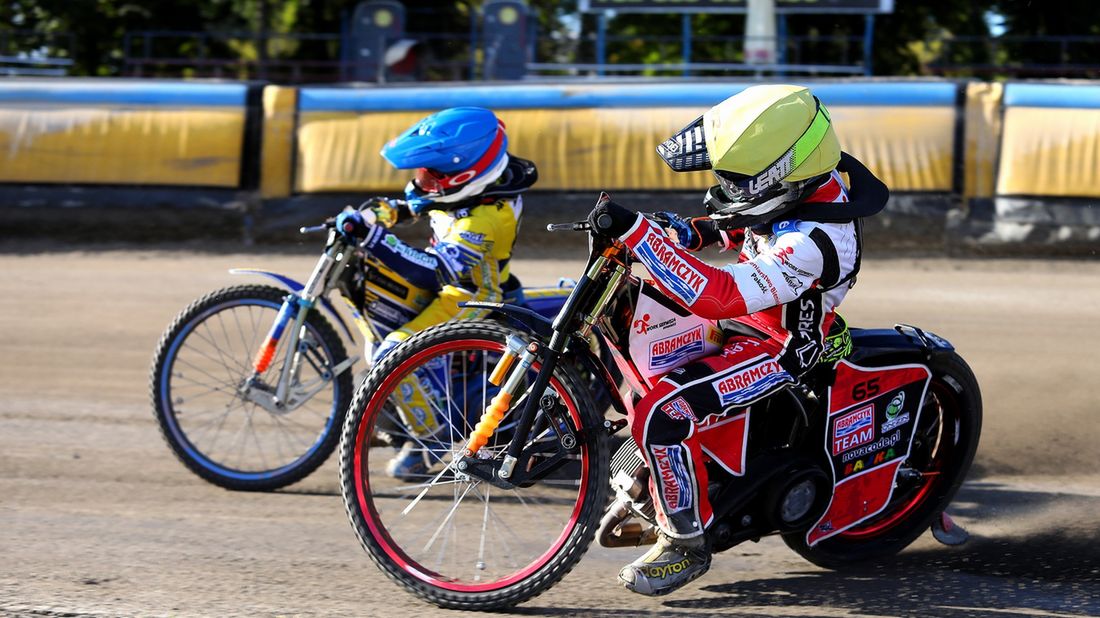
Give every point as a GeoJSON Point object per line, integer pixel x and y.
{"type": "Point", "coordinates": [250, 383]}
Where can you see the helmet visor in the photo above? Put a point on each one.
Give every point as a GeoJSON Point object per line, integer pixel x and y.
{"type": "Point", "coordinates": [687, 150]}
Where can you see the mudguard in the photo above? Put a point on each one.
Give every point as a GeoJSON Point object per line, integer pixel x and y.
{"type": "Point", "coordinates": [294, 286]}
{"type": "Point", "coordinates": [901, 344]}
{"type": "Point", "coordinates": [872, 416]}
{"type": "Point", "coordinates": [525, 318]}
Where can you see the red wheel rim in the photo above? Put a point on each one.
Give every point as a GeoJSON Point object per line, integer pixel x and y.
{"type": "Point", "coordinates": [378, 530]}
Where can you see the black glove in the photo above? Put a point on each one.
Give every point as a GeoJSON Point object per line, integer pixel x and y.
{"type": "Point", "coordinates": [610, 219]}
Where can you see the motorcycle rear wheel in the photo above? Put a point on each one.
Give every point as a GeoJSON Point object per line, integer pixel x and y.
{"type": "Point", "coordinates": [452, 540]}
{"type": "Point", "coordinates": [199, 366]}
{"type": "Point", "coordinates": [943, 449]}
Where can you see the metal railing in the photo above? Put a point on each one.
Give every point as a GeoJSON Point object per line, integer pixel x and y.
{"type": "Point", "coordinates": [1016, 56]}
{"type": "Point", "coordinates": [794, 55]}
{"type": "Point", "coordinates": [15, 66]}
{"type": "Point", "coordinates": [286, 58]}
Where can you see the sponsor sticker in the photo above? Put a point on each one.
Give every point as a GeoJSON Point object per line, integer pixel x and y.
{"type": "Point", "coordinates": [894, 416]}
{"type": "Point", "coordinates": [678, 409]}
{"type": "Point", "coordinates": [381, 310]}
{"type": "Point", "coordinates": [406, 392]}
{"type": "Point", "coordinates": [408, 253]}
{"type": "Point", "coordinates": [679, 276]}
{"type": "Point", "coordinates": [670, 351]}
{"type": "Point", "coordinates": [885, 442]}
{"type": "Point", "coordinates": [854, 429]}
{"type": "Point", "coordinates": [472, 238]}
{"type": "Point", "coordinates": [750, 382]}
{"type": "Point", "coordinates": [675, 484]}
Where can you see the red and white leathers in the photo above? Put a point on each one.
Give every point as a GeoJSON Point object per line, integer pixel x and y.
{"type": "Point", "coordinates": [780, 299]}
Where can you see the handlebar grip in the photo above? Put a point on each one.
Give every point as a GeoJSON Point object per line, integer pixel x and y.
{"type": "Point", "coordinates": [579, 226]}
{"type": "Point", "coordinates": [604, 222]}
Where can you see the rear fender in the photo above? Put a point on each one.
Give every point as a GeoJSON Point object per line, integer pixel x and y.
{"type": "Point", "coordinates": [901, 344]}
{"type": "Point", "coordinates": [296, 287]}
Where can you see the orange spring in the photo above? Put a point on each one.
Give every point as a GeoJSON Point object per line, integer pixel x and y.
{"type": "Point", "coordinates": [264, 356]}
{"type": "Point", "coordinates": [489, 422]}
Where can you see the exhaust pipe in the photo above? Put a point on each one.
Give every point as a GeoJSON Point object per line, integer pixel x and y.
{"type": "Point", "coordinates": [614, 533]}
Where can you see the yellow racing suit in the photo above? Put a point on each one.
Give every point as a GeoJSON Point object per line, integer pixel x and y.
{"type": "Point", "coordinates": [467, 261]}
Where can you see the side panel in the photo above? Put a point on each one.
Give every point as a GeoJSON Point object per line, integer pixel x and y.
{"type": "Point", "coordinates": [872, 415]}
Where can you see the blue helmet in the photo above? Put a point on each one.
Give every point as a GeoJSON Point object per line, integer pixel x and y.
{"type": "Point", "coordinates": [457, 153]}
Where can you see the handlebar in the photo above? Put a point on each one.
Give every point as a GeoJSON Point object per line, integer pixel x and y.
{"type": "Point", "coordinates": [577, 226]}
{"type": "Point", "coordinates": [324, 227]}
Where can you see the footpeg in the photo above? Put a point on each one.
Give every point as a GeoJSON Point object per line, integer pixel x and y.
{"type": "Point", "coordinates": [946, 531]}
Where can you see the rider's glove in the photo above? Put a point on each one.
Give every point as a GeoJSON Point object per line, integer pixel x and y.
{"type": "Point", "coordinates": [352, 225]}
{"type": "Point", "coordinates": [692, 234]}
{"type": "Point", "coordinates": [386, 211]}
{"type": "Point", "coordinates": [611, 219]}
{"type": "Point", "coordinates": [685, 235]}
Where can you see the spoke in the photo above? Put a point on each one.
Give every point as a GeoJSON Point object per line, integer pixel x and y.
{"type": "Point", "coordinates": [507, 529]}
{"type": "Point", "coordinates": [202, 371]}
{"type": "Point", "coordinates": [228, 364]}
{"type": "Point", "coordinates": [420, 496]}
{"type": "Point", "coordinates": [448, 517]}
{"type": "Point", "coordinates": [484, 533]}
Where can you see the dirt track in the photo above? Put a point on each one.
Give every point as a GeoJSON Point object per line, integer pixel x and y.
{"type": "Point", "coordinates": [98, 518]}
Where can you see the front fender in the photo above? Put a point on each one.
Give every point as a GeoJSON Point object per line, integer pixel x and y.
{"type": "Point", "coordinates": [296, 287]}
{"type": "Point", "coordinates": [525, 318]}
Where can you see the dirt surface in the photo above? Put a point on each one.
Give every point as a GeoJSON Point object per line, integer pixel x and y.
{"type": "Point", "coordinates": [98, 518]}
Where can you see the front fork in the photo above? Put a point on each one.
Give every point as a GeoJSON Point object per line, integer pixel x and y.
{"type": "Point", "coordinates": [549, 357]}
{"type": "Point", "coordinates": [294, 310]}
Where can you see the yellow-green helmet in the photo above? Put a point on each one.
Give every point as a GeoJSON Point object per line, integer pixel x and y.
{"type": "Point", "coordinates": [767, 145]}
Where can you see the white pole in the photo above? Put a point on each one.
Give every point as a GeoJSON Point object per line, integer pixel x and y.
{"type": "Point", "coordinates": [760, 32]}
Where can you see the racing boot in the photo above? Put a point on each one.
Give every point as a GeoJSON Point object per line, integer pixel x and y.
{"type": "Point", "coordinates": [413, 463]}
{"type": "Point", "coordinates": [667, 567]}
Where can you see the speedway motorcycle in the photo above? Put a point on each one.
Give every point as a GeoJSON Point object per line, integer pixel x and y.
{"type": "Point", "coordinates": [250, 383]}
{"type": "Point", "coordinates": [852, 464]}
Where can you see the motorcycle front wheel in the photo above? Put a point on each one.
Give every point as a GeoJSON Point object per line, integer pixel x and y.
{"type": "Point", "coordinates": [200, 365]}
{"type": "Point", "coordinates": [447, 537]}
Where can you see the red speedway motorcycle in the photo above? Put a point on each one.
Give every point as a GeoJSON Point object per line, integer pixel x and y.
{"type": "Point", "coordinates": [852, 464]}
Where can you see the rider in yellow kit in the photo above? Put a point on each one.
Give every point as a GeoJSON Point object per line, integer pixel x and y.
{"type": "Point", "coordinates": [470, 188]}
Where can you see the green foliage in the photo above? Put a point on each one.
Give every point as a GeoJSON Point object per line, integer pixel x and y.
{"type": "Point", "coordinates": [921, 36]}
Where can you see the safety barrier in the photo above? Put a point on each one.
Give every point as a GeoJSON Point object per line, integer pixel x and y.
{"type": "Point", "coordinates": [123, 132]}
{"type": "Point", "coordinates": [588, 138]}
{"type": "Point", "coordinates": [1021, 153]}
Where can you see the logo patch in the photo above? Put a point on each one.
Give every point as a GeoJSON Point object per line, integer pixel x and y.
{"type": "Point", "coordinates": [472, 238]}
{"type": "Point", "coordinates": [678, 409]}
{"type": "Point", "coordinates": [674, 477]}
{"type": "Point", "coordinates": [854, 429]}
{"type": "Point", "coordinates": [894, 417]}
{"type": "Point", "coordinates": [679, 276]}
{"type": "Point", "coordinates": [672, 350]}
{"type": "Point", "coordinates": [750, 382]}
{"type": "Point", "coordinates": [408, 253]}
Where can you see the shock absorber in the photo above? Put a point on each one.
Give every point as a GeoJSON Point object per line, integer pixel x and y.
{"type": "Point", "coordinates": [498, 407]}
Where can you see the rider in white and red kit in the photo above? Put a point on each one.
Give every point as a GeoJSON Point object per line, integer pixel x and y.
{"type": "Point", "coordinates": [781, 199]}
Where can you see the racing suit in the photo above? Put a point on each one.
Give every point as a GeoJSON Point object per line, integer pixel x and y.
{"type": "Point", "coordinates": [779, 301]}
{"type": "Point", "coordinates": [467, 261]}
